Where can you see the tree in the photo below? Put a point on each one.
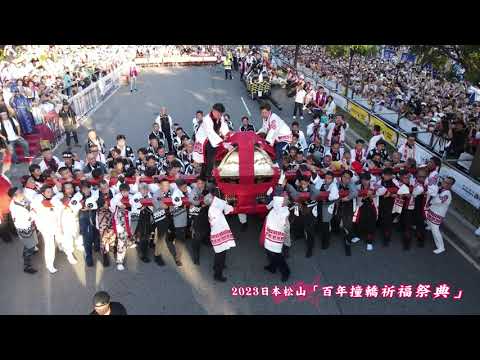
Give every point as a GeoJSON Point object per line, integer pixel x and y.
{"type": "Point", "coordinates": [351, 51]}
{"type": "Point", "coordinates": [439, 56]}
{"type": "Point", "coordinates": [295, 59]}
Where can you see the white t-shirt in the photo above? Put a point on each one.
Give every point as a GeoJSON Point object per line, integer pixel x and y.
{"type": "Point", "coordinates": [300, 96]}
{"type": "Point", "coordinates": [331, 108]}
{"type": "Point", "coordinates": [10, 131]}
{"type": "Point", "coordinates": [373, 142]}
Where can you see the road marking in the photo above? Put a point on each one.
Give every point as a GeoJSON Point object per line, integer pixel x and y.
{"type": "Point", "coordinates": [463, 253]}
{"type": "Point", "coordinates": [246, 108]}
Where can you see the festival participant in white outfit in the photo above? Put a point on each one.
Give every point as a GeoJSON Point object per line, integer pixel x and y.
{"type": "Point", "coordinates": [273, 236]}
{"type": "Point", "coordinates": [366, 210]}
{"type": "Point", "coordinates": [69, 222]}
{"type": "Point", "coordinates": [70, 162]}
{"type": "Point", "coordinates": [407, 150]}
{"type": "Point", "coordinates": [330, 107]}
{"type": "Point", "coordinates": [197, 120]}
{"type": "Point", "coordinates": [209, 136]}
{"type": "Point", "coordinates": [121, 207]}
{"type": "Point", "coordinates": [49, 161]}
{"type": "Point", "coordinates": [221, 236]}
{"type": "Point", "coordinates": [165, 121]}
{"type": "Point", "coordinates": [301, 136]}
{"type": "Point", "coordinates": [277, 133]}
{"type": "Point", "coordinates": [336, 132]}
{"type": "Point", "coordinates": [358, 153]}
{"type": "Point", "coordinates": [46, 216]}
{"type": "Point", "coordinates": [433, 166]}
{"type": "Point", "coordinates": [30, 189]}
{"type": "Point", "coordinates": [133, 73]}
{"type": "Point", "coordinates": [377, 135]}
{"type": "Point", "coordinates": [299, 102]}
{"type": "Point", "coordinates": [436, 210]}
{"type": "Point", "coordinates": [23, 221]}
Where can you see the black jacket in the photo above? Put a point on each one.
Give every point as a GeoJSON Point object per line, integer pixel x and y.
{"type": "Point", "coordinates": [115, 309]}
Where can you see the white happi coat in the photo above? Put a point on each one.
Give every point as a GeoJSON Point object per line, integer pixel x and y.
{"type": "Point", "coordinates": [276, 130]}
{"type": "Point", "coordinates": [22, 218]}
{"type": "Point", "coordinates": [221, 236]}
{"type": "Point", "coordinates": [47, 219]}
{"type": "Point", "coordinates": [69, 228]}
{"type": "Point", "coordinates": [432, 183]}
{"type": "Point", "coordinates": [406, 152]}
{"type": "Point", "coordinates": [31, 194]}
{"type": "Point", "coordinates": [399, 202]}
{"type": "Point", "coordinates": [137, 206]}
{"type": "Point", "coordinates": [437, 207]}
{"type": "Point", "coordinates": [328, 140]}
{"type": "Point", "coordinates": [275, 226]}
{"type": "Point", "coordinates": [363, 156]}
{"type": "Point", "coordinates": [206, 133]}
{"type": "Point", "coordinates": [116, 200]}
{"type": "Point", "coordinates": [43, 165]}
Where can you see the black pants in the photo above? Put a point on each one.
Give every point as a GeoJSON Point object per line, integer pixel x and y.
{"type": "Point", "coordinates": [310, 236]}
{"type": "Point", "coordinates": [209, 160]}
{"type": "Point", "coordinates": [143, 244]}
{"type": "Point", "coordinates": [277, 260]}
{"type": "Point", "coordinates": [419, 222]}
{"type": "Point", "coordinates": [91, 238]}
{"type": "Point", "coordinates": [219, 263]}
{"type": "Point", "coordinates": [161, 237]}
{"type": "Point", "coordinates": [324, 233]}
{"type": "Point", "coordinates": [69, 135]}
{"type": "Point", "coordinates": [346, 219]}
{"type": "Point", "coordinates": [228, 74]}
{"type": "Point", "coordinates": [5, 232]}
{"type": "Point", "coordinates": [386, 221]}
{"type": "Point", "coordinates": [27, 257]}
{"type": "Point", "coordinates": [199, 236]}
{"type": "Point", "coordinates": [406, 220]}
{"type": "Point", "coordinates": [299, 107]}
{"type": "Point", "coordinates": [180, 234]}
{"type": "Point", "coordinates": [297, 227]}
{"type": "Point", "coordinates": [168, 137]}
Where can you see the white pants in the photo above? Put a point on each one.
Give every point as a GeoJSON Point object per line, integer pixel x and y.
{"type": "Point", "coordinates": [437, 235]}
{"type": "Point", "coordinates": [50, 248]}
{"type": "Point", "coordinates": [133, 83]}
{"type": "Point", "coordinates": [288, 241]}
{"type": "Point", "coordinates": [68, 240]}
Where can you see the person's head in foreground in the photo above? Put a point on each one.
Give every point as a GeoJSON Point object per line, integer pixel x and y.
{"type": "Point", "coordinates": [103, 306]}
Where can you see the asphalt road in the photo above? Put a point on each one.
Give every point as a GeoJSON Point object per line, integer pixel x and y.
{"type": "Point", "coordinates": [149, 289]}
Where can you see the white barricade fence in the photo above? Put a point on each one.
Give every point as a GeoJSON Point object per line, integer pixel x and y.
{"type": "Point", "coordinates": [177, 59]}
{"type": "Point", "coordinates": [86, 100]}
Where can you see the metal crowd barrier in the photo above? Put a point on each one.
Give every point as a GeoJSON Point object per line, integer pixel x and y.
{"type": "Point", "coordinates": [96, 92]}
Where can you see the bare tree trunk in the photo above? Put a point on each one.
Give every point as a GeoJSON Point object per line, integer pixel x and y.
{"type": "Point", "coordinates": [349, 71]}
{"type": "Point", "coordinates": [295, 59]}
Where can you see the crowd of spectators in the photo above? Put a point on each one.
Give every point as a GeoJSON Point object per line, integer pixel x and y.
{"type": "Point", "coordinates": [36, 82]}
{"type": "Point", "coordinates": [448, 108]}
